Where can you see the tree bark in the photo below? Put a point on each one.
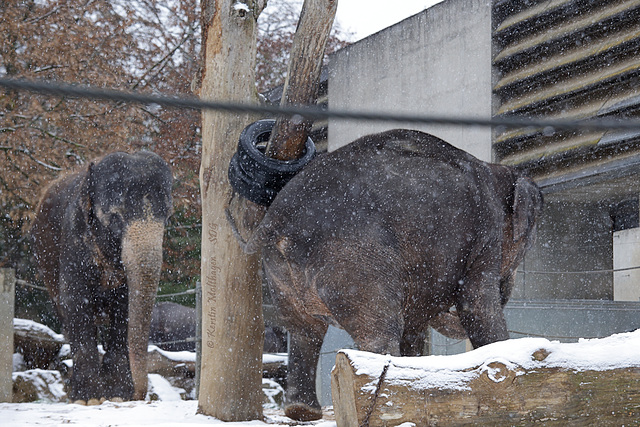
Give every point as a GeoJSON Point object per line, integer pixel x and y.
{"type": "Point", "coordinates": [289, 135]}
{"type": "Point", "coordinates": [232, 325]}
{"type": "Point", "coordinates": [498, 393]}
{"type": "Point", "coordinates": [7, 297]}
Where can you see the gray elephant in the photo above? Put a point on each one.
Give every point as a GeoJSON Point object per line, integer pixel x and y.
{"type": "Point", "coordinates": [382, 238]}
{"type": "Point", "coordinates": [97, 240]}
{"type": "Point", "coordinates": [173, 324]}
{"type": "Point", "coordinates": [173, 327]}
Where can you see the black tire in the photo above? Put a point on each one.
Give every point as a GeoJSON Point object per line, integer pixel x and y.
{"type": "Point", "coordinates": [257, 177]}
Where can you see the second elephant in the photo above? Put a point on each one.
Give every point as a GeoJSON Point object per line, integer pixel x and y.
{"type": "Point", "coordinates": [97, 240]}
{"type": "Point", "coordinates": [173, 328]}
{"type": "Point", "coordinates": [381, 238]}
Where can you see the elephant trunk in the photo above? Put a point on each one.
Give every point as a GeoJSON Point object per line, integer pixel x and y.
{"type": "Point", "coordinates": [142, 259]}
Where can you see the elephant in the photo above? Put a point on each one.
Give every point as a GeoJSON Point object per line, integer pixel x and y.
{"type": "Point", "coordinates": [171, 325]}
{"type": "Point", "coordinates": [171, 322]}
{"type": "Point", "coordinates": [97, 242]}
{"type": "Point", "coordinates": [386, 236]}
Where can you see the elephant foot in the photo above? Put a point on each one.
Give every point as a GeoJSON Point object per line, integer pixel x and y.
{"type": "Point", "coordinates": [302, 412]}
{"type": "Point", "coordinates": [116, 400]}
{"type": "Point", "coordinates": [96, 402]}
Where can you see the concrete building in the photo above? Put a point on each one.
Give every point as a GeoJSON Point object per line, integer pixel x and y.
{"type": "Point", "coordinates": [437, 62]}
{"type": "Point", "coordinates": [558, 59]}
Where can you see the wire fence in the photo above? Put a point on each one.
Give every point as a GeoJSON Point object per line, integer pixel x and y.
{"type": "Point", "coordinates": [315, 112]}
{"type": "Point", "coordinates": [24, 283]}
{"type": "Point", "coordinates": [608, 270]}
{"type": "Point", "coordinates": [448, 344]}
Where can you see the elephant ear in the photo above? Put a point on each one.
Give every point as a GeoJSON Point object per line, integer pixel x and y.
{"type": "Point", "coordinates": [527, 205]}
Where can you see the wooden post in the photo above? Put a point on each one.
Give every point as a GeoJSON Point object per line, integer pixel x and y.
{"type": "Point", "coordinates": [232, 325]}
{"type": "Point", "coordinates": [440, 390]}
{"type": "Point", "coordinates": [198, 335]}
{"type": "Point", "coordinates": [7, 297]}
{"type": "Point", "coordinates": [289, 135]}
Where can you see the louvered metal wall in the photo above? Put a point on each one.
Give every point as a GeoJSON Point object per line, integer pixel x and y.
{"type": "Point", "coordinates": [565, 59]}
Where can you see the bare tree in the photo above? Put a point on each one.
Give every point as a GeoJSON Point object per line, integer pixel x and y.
{"type": "Point", "coordinates": [142, 45]}
{"type": "Point", "coordinates": [232, 327]}
{"type": "Point", "coordinates": [232, 299]}
{"type": "Point", "coordinates": [139, 45]}
{"type": "Point", "coordinates": [276, 29]}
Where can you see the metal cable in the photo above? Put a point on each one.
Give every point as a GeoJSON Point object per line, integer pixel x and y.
{"type": "Point", "coordinates": [550, 337]}
{"type": "Point", "coordinates": [612, 270]}
{"type": "Point", "coordinates": [24, 283]}
{"type": "Point", "coordinates": [187, 292]}
{"type": "Point", "coordinates": [314, 112]}
{"type": "Point", "coordinates": [186, 340]}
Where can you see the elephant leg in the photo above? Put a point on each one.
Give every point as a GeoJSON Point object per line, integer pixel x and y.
{"type": "Point", "coordinates": [304, 351]}
{"type": "Point", "coordinates": [306, 333]}
{"type": "Point", "coordinates": [412, 343]}
{"type": "Point", "coordinates": [115, 371]}
{"type": "Point", "coordinates": [82, 334]}
{"type": "Point", "coordinates": [480, 304]}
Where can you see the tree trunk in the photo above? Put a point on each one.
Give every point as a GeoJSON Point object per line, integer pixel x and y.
{"type": "Point", "coordinates": [7, 297]}
{"type": "Point", "coordinates": [232, 325]}
{"type": "Point", "coordinates": [289, 135]}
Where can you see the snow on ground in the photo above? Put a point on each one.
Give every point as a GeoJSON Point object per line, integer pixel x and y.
{"type": "Point", "coordinates": [616, 351]}
{"type": "Point", "coordinates": [159, 414]}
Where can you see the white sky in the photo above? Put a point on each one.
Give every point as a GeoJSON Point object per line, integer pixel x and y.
{"type": "Point", "coordinates": [365, 17]}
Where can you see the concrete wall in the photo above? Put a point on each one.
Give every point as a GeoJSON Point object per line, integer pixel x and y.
{"type": "Point", "coordinates": [573, 254]}
{"type": "Point", "coordinates": [437, 62]}
{"type": "Point", "coordinates": [626, 259]}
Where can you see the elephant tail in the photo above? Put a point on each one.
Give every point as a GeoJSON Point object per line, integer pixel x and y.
{"type": "Point", "coordinates": [527, 207]}
{"type": "Point", "coordinates": [252, 243]}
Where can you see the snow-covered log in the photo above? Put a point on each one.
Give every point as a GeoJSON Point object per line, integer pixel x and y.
{"type": "Point", "coordinates": [507, 383]}
{"type": "Point", "coordinates": [37, 343]}
{"type": "Point", "coordinates": [38, 385]}
{"type": "Point", "coordinates": [274, 365]}
{"type": "Point", "coordinates": [183, 363]}
{"type": "Point", "coordinates": [170, 363]}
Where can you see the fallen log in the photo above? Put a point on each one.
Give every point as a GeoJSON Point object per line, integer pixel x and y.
{"type": "Point", "coordinates": [38, 344]}
{"type": "Point", "coordinates": [38, 385]}
{"type": "Point", "coordinates": [170, 363]}
{"type": "Point", "coordinates": [507, 383]}
{"type": "Point", "coordinates": [183, 363]}
{"type": "Point", "coordinates": [40, 348]}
